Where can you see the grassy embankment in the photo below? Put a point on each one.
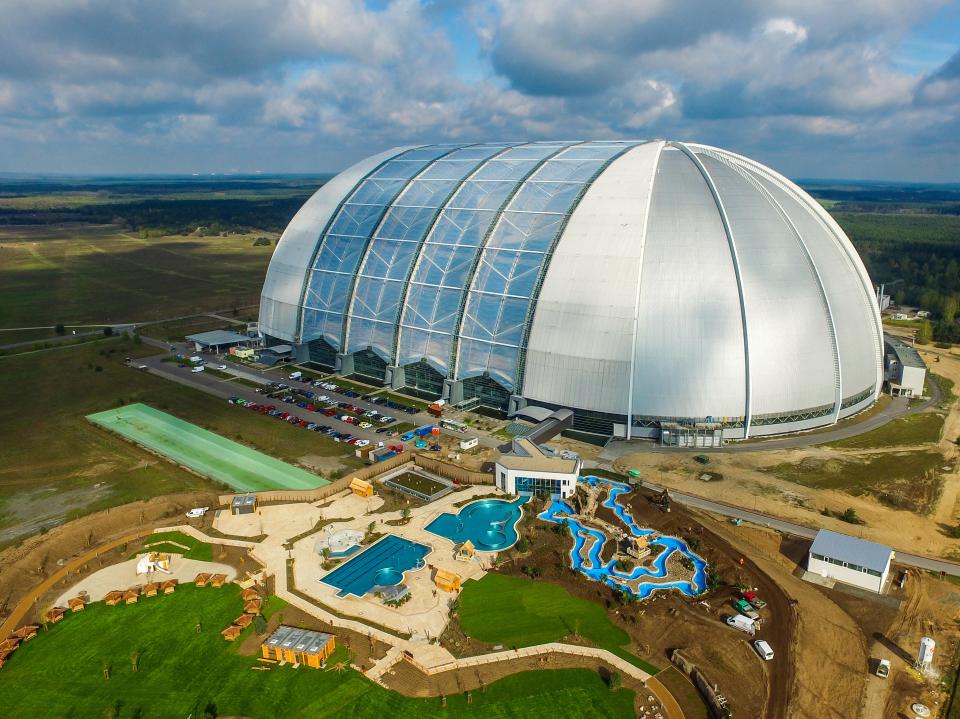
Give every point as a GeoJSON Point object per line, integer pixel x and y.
{"type": "Point", "coordinates": [516, 612]}
{"type": "Point", "coordinates": [84, 667]}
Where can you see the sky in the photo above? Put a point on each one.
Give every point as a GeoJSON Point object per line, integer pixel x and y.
{"type": "Point", "coordinates": [859, 89]}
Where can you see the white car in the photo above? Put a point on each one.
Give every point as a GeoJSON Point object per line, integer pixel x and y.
{"type": "Point", "coordinates": [364, 425]}
{"type": "Point", "coordinates": [197, 512]}
{"type": "Point", "coordinates": [195, 370]}
{"type": "Point", "coordinates": [361, 443]}
{"type": "Point", "coordinates": [322, 398]}
{"type": "Point", "coordinates": [221, 367]}
{"type": "Point", "coordinates": [763, 649]}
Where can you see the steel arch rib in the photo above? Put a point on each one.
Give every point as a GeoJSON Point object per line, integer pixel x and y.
{"type": "Point", "coordinates": [545, 265]}
{"type": "Point", "coordinates": [843, 244]}
{"type": "Point", "coordinates": [838, 366]}
{"type": "Point", "coordinates": [323, 237]}
{"type": "Point", "coordinates": [471, 276]}
{"type": "Point", "coordinates": [636, 299]}
{"type": "Point", "coordinates": [402, 307]}
{"type": "Point", "coordinates": [731, 242]}
{"type": "Point", "coordinates": [368, 243]}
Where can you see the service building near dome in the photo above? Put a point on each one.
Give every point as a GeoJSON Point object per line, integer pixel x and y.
{"type": "Point", "coordinates": [647, 285]}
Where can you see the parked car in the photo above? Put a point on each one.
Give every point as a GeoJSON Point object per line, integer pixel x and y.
{"type": "Point", "coordinates": [364, 425]}
{"type": "Point", "coordinates": [196, 370]}
{"type": "Point", "coordinates": [197, 512]}
{"type": "Point", "coordinates": [883, 668]}
{"type": "Point", "coordinates": [363, 442]}
{"type": "Point", "coordinates": [407, 437]}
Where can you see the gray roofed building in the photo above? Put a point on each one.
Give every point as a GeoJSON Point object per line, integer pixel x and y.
{"type": "Point", "coordinates": [219, 338]}
{"type": "Point", "coordinates": [850, 560]}
{"type": "Point", "coordinates": [299, 640]}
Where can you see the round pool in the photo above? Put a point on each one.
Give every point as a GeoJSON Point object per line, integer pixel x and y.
{"type": "Point", "coordinates": [387, 577]}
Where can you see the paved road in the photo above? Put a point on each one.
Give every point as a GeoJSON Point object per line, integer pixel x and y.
{"type": "Point", "coordinates": [898, 407]}
{"type": "Point", "coordinates": [798, 530]}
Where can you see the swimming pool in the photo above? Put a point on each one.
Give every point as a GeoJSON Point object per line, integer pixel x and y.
{"type": "Point", "coordinates": [591, 565]}
{"type": "Point", "coordinates": [381, 565]}
{"type": "Point", "coordinates": [489, 523]}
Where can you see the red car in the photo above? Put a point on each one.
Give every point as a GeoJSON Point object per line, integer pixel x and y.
{"type": "Point", "coordinates": [284, 415]}
{"type": "Point", "coordinates": [311, 408]}
{"type": "Point", "coordinates": [330, 412]}
{"type": "Point", "coordinates": [253, 406]}
{"type": "Point", "coordinates": [304, 423]}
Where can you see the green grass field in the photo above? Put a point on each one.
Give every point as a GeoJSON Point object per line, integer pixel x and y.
{"type": "Point", "coordinates": [82, 274]}
{"type": "Point", "coordinates": [57, 465]}
{"type": "Point", "coordinates": [922, 428]}
{"type": "Point", "coordinates": [520, 612]}
{"type": "Point", "coordinates": [175, 541]}
{"type": "Point", "coordinates": [181, 673]}
{"type": "Point", "coordinates": [242, 468]}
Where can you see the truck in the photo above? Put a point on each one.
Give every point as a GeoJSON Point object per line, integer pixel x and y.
{"type": "Point", "coordinates": [754, 600]}
{"type": "Point", "coordinates": [744, 607]}
{"type": "Point", "coordinates": [744, 624]}
{"type": "Point", "coordinates": [424, 431]}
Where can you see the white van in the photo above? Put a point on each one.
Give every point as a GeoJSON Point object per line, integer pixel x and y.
{"type": "Point", "coordinates": [296, 375]}
{"type": "Point", "coordinates": [763, 649]}
{"type": "Point", "coordinates": [197, 369]}
{"type": "Point", "coordinates": [744, 624]}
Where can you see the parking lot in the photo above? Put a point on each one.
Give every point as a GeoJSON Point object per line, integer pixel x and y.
{"type": "Point", "coordinates": [332, 410]}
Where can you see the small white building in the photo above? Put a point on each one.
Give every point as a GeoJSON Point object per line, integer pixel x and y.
{"type": "Point", "coordinates": [904, 368]}
{"type": "Point", "coordinates": [850, 560]}
{"type": "Point", "coordinates": [529, 469]}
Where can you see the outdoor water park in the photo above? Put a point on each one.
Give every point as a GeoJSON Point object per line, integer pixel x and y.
{"type": "Point", "coordinates": [432, 574]}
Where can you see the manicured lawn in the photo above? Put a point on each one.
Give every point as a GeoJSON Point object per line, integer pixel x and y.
{"type": "Point", "coordinates": [922, 428]}
{"type": "Point", "coordinates": [168, 541]}
{"type": "Point", "coordinates": [181, 672]}
{"type": "Point", "coordinates": [210, 454]}
{"type": "Point", "coordinates": [419, 483]}
{"type": "Point", "coordinates": [520, 612]}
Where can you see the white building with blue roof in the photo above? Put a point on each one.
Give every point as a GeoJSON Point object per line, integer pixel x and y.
{"type": "Point", "coordinates": [850, 560]}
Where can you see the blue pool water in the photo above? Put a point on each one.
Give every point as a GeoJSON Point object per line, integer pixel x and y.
{"type": "Point", "coordinates": [608, 573]}
{"type": "Point", "coordinates": [489, 523]}
{"type": "Point", "coordinates": [381, 565]}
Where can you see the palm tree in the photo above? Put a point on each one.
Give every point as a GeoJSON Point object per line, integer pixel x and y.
{"type": "Point", "coordinates": [340, 667]}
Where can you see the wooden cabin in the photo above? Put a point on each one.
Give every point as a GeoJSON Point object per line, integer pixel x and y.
{"type": "Point", "coordinates": [113, 598]}
{"type": "Point", "coordinates": [131, 595]}
{"type": "Point", "coordinates": [77, 604]}
{"type": "Point", "coordinates": [231, 633]}
{"type": "Point", "coordinates": [56, 614]}
{"type": "Point", "coordinates": [298, 646]}
{"type": "Point", "coordinates": [169, 586]}
{"type": "Point", "coordinates": [244, 621]}
{"type": "Point", "coordinates": [249, 593]}
{"type": "Point", "coordinates": [202, 579]}
{"type": "Point", "coordinates": [253, 606]}
{"type": "Point", "coordinates": [150, 589]}
{"type": "Point", "coordinates": [465, 552]}
{"type": "Point", "coordinates": [446, 580]}
{"type": "Point", "coordinates": [10, 643]}
{"type": "Point", "coordinates": [4, 656]}
{"type": "Point", "coordinates": [361, 488]}
{"type": "Point", "coordinates": [217, 580]}
{"type": "Point", "coordinates": [27, 632]}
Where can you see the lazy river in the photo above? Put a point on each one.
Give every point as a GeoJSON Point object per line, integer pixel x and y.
{"type": "Point", "coordinates": [592, 566]}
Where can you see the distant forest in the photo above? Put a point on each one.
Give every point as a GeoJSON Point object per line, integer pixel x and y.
{"type": "Point", "coordinates": [907, 234]}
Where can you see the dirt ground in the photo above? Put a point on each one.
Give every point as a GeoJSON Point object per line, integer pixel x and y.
{"type": "Point", "coordinates": [24, 566]}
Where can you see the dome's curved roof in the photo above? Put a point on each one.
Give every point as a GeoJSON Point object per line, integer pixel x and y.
{"type": "Point", "coordinates": [652, 279]}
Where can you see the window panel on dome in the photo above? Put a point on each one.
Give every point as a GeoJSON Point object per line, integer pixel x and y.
{"type": "Point", "coordinates": [445, 265]}
{"type": "Point", "coordinates": [430, 307]}
{"type": "Point", "coordinates": [327, 291]}
{"type": "Point", "coordinates": [479, 357]}
{"type": "Point", "coordinates": [357, 220]}
{"type": "Point", "coordinates": [494, 318]}
{"type": "Point", "coordinates": [534, 151]}
{"type": "Point", "coordinates": [340, 254]}
{"type": "Point", "coordinates": [476, 195]}
{"type": "Point", "coordinates": [507, 272]}
{"type": "Point", "coordinates": [451, 169]}
{"type": "Point", "coordinates": [461, 227]}
{"type": "Point", "coordinates": [375, 191]}
{"type": "Point", "coordinates": [417, 344]}
{"type": "Point", "coordinates": [317, 323]}
{"type": "Point", "coordinates": [366, 333]}
{"type": "Point", "coordinates": [561, 169]}
{"type": "Point", "coordinates": [389, 258]}
{"type": "Point", "coordinates": [526, 231]}
{"type": "Point", "coordinates": [427, 193]}
{"type": "Point", "coordinates": [595, 150]}
{"type": "Point", "coordinates": [377, 299]}
{"type": "Point", "coordinates": [503, 169]}
{"type": "Point", "coordinates": [406, 223]}
{"type": "Point", "coordinates": [546, 196]}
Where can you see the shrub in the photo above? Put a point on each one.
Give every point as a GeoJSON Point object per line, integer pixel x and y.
{"type": "Point", "coordinates": [60, 329]}
{"type": "Point", "coordinates": [523, 546]}
{"type": "Point", "coordinates": [108, 331]}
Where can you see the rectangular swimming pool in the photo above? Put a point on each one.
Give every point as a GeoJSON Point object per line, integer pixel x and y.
{"type": "Point", "coordinates": [381, 565]}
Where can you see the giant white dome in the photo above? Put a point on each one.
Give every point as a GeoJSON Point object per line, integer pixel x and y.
{"type": "Point", "coordinates": [660, 281]}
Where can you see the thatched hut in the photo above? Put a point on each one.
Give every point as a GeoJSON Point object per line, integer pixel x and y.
{"type": "Point", "coordinates": [217, 580]}
{"type": "Point", "coordinates": [244, 621]}
{"type": "Point", "coordinates": [150, 589]}
{"type": "Point", "coordinates": [113, 598]}
{"type": "Point", "coordinates": [231, 633]}
{"type": "Point", "coordinates": [56, 614]}
{"type": "Point", "coordinates": [27, 632]}
{"type": "Point", "coordinates": [202, 579]}
{"type": "Point", "coordinates": [169, 586]}
{"type": "Point", "coordinates": [77, 604]}
{"type": "Point", "coordinates": [254, 606]}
